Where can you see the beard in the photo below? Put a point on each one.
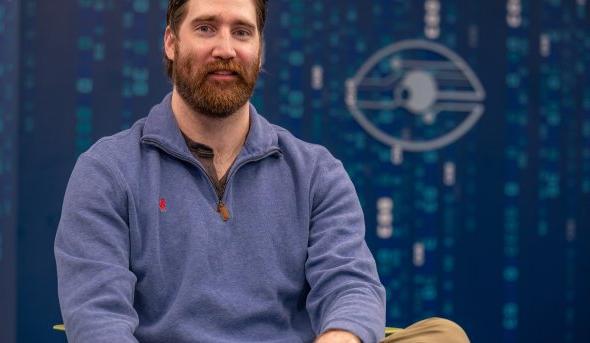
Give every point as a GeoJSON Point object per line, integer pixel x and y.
{"type": "Point", "coordinates": [214, 98]}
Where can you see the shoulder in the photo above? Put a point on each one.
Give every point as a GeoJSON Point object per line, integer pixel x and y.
{"type": "Point", "coordinates": [302, 151]}
{"type": "Point", "coordinates": [112, 158]}
{"type": "Point", "coordinates": [314, 162]}
{"type": "Point", "coordinates": [119, 147]}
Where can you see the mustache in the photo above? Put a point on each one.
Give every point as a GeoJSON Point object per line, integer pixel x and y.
{"type": "Point", "coordinates": [230, 66]}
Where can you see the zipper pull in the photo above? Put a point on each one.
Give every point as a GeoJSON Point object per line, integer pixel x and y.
{"type": "Point", "coordinates": [223, 211]}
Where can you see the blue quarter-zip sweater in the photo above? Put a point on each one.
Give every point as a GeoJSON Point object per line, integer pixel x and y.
{"type": "Point", "coordinates": [143, 254]}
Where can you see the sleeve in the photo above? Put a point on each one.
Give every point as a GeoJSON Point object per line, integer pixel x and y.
{"type": "Point", "coordinates": [345, 291]}
{"type": "Point", "coordinates": [95, 285]}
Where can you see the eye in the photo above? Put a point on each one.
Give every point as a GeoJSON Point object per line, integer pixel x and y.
{"type": "Point", "coordinates": [242, 33]}
{"type": "Point", "coordinates": [204, 29]}
{"type": "Point", "coordinates": [428, 95]}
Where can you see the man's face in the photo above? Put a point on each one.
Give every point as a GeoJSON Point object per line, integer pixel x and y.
{"type": "Point", "coordinates": [216, 55]}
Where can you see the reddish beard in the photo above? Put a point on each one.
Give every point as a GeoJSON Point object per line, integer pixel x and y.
{"type": "Point", "coordinates": [212, 97]}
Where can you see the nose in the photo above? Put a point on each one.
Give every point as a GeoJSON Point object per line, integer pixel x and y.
{"type": "Point", "coordinates": [224, 48]}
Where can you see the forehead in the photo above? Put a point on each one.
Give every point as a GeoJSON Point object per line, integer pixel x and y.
{"type": "Point", "coordinates": [230, 10]}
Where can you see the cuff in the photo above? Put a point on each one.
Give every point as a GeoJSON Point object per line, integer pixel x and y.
{"type": "Point", "coordinates": [365, 335]}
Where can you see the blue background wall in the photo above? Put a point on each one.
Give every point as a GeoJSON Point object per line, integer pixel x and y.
{"type": "Point", "coordinates": [492, 230]}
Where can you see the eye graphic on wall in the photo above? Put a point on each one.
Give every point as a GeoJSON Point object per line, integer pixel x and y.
{"type": "Point", "coordinates": [415, 95]}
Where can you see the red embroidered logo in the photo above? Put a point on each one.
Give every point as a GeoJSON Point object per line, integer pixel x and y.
{"type": "Point", "coordinates": [163, 207]}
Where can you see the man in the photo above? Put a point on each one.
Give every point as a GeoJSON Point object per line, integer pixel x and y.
{"type": "Point", "coordinates": [205, 223]}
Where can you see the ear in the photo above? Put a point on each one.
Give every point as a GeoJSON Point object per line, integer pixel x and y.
{"type": "Point", "coordinates": [262, 53]}
{"type": "Point", "coordinates": [169, 42]}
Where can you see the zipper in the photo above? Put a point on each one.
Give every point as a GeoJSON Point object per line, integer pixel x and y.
{"type": "Point", "coordinates": [221, 207]}
{"type": "Point", "coordinates": [223, 211]}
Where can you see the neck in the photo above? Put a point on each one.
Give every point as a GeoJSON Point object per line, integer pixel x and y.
{"type": "Point", "coordinates": [224, 135]}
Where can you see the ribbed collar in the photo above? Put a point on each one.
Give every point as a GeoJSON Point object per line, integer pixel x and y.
{"type": "Point", "coordinates": [161, 129]}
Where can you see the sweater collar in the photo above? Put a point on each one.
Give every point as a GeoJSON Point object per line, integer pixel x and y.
{"type": "Point", "coordinates": [161, 129]}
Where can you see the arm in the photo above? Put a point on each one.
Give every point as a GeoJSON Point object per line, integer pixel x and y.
{"type": "Point", "coordinates": [95, 284]}
{"type": "Point", "coordinates": [337, 336]}
{"type": "Point", "coordinates": [346, 293]}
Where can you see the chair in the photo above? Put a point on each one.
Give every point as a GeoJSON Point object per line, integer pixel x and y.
{"type": "Point", "coordinates": [388, 330]}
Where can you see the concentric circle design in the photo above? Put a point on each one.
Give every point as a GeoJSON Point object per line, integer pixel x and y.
{"type": "Point", "coordinates": [410, 89]}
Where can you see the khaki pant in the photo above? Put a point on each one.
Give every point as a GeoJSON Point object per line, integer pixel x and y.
{"type": "Point", "coordinates": [431, 330]}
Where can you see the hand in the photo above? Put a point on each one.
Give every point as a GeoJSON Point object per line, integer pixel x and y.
{"type": "Point", "coordinates": [337, 336]}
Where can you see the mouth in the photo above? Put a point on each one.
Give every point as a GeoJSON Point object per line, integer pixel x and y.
{"type": "Point", "coordinates": [223, 73]}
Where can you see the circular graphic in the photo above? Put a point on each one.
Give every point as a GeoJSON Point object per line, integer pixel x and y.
{"type": "Point", "coordinates": [415, 95]}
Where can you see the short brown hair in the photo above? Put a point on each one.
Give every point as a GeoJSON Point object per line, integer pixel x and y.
{"type": "Point", "coordinates": [176, 14]}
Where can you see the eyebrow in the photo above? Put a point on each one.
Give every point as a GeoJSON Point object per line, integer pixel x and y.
{"type": "Point", "coordinates": [214, 18]}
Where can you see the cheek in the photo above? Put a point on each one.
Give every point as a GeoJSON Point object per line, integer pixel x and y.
{"type": "Point", "coordinates": [251, 55]}
{"type": "Point", "coordinates": [191, 51]}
